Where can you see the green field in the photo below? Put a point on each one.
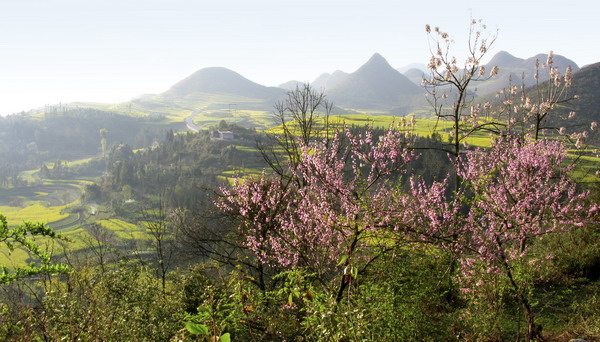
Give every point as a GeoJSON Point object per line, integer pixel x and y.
{"type": "Point", "coordinates": [124, 230]}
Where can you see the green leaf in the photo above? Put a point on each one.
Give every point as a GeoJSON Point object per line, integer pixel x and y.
{"type": "Point", "coordinates": [290, 299]}
{"type": "Point", "coordinates": [225, 338]}
{"type": "Point", "coordinates": [196, 329]}
{"type": "Point", "coordinates": [342, 260]}
{"type": "Point", "coordinates": [354, 272]}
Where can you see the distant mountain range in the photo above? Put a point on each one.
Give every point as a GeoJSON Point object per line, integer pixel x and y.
{"type": "Point", "coordinates": [517, 71]}
{"type": "Point", "coordinates": [375, 87]}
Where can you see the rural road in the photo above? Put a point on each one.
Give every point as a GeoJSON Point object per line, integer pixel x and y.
{"type": "Point", "coordinates": [189, 122]}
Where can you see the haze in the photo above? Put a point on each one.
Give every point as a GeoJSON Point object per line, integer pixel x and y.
{"type": "Point", "coordinates": [110, 51]}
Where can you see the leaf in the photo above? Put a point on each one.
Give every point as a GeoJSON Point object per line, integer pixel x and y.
{"type": "Point", "coordinates": [354, 272]}
{"type": "Point", "coordinates": [342, 260]}
{"type": "Point", "coordinates": [290, 299]}
{"type": "Point", "coordinates": [225, 338]}
{"type": "Point", "coordinates": [196, 329]}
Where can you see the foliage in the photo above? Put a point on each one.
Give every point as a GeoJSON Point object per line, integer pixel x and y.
{"type": "Point", "coordinates": [119, 304]}
{"type": "Point", "coordinates": [332, 200]}
{"type": "Point", "coordinates": [510, 197]}
{"type": "Point", "coordinates": [23, 236]}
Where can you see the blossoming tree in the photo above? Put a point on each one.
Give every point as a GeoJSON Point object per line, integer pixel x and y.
{"type": "Point", "coordinates": [328, 222]}
{"type": "Point", "coordinates": [344, 206]}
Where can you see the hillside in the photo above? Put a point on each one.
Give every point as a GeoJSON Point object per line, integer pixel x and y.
{"type": "Point", "coordinates": [586, 85]}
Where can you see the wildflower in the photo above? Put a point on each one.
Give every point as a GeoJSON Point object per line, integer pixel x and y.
{"type": "Point", "coordinates": [594, 125]}
{"type": "Point", "coordinates": [571, 115]}
{"type": "Point", "coordinates": [482, 71]}
{"type": "Point", "coordinates": [427, 28]}
{"type": "Point", "coordinates": [562, 130]}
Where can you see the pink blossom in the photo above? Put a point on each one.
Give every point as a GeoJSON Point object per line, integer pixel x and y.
{"type": "Point", "coordinates": [494, 71]}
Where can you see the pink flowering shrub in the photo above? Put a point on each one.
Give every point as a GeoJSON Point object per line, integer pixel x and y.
{"type": "Point", "coordinates": [331, 213]}
{"type": "Point", "coordinates": [516, 193]}
{"type": "Point", "coordinates": [519, 192]}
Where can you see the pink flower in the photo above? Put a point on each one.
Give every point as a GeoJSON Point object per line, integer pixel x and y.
{"type": "Point", "coordinates": [494, 71]}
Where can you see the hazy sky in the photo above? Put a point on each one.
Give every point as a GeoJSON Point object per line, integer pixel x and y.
{"type": "Point", "coordinates": [55, 51]}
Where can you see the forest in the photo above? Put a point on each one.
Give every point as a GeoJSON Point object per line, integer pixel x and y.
{"type": "Point", "coordinates": [316, 229]}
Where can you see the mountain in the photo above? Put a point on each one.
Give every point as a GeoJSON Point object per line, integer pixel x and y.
{"type": "Point", "coordinates": [375, 85]}
{"type": "Point", "coordinates": [504, 60]}
{"type": "Point", "coordinates": [419, 66]}
{"type": "Point", "coordinates": [512, 69]}
{"type": "Point", "coordinates": [218, 80]}
{"type": "Point", "coordinates": [415, 75]}
{"type": "Point", "coordinates": [290, 85]}
{"type": "Point", "coordinates": [328, 81]}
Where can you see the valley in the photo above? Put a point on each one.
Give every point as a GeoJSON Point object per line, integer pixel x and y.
{"type": "Point", "coordinates": [184, 178]}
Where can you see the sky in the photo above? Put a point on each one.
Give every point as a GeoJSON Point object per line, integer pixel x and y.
{"type": "Point", "coordinates": [60, 51]}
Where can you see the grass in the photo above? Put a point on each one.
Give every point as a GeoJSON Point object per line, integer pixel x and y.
{"type": "Point", "coordinates": [124, 230]}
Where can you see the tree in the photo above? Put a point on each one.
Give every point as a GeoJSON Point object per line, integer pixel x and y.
{"type": "Point", "coordinates": [303, 118]}
{"type": "Point", "coordinates": [449, 85]}
{"type": "Point", "coordinates": [159, 227]}
{"type": "Point", "coordinates": [22, 236]}
{"type": "Point", "coordinates": [521, 194]}
{"type": "Point", "coordinates": [339, 200]}
{"type": "Point", "coordinates": [509, 197]}
{"type": "Point", "coordinates": [103, 132]}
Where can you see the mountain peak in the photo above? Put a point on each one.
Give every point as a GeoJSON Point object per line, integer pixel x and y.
{"type": "Point", "coordinates": [376, 58]}
{"type": "Point", "coordinates": [504, 59]}
{"type": "Point", "coordinates": [221, 80]}
{"type": "Point", "coordinates": [374, 84]}
{"type": "Point", "coordinates": [378, 61]}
